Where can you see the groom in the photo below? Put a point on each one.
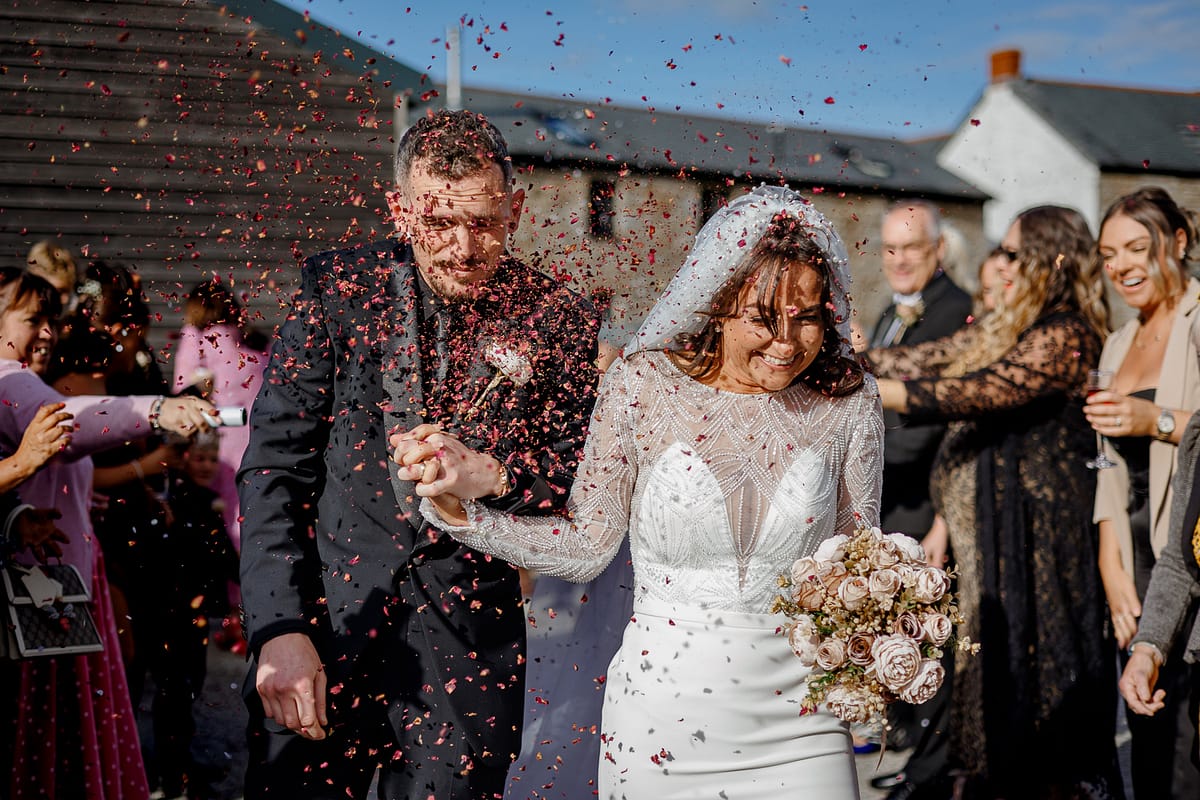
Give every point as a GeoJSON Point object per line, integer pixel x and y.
{"type": "Point", "coordinates": [377, 641]}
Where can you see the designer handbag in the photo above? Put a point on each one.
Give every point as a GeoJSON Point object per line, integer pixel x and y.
{"type": "Point", "coordinates": [46, 612]}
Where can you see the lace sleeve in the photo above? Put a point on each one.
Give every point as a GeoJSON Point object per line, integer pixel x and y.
{"type": "Point", "coordinates": [925, 360]}
{"type": "Point", "coordinates": [1052, 358]}
{"type": "Point", "coordinates": [576, 548]}
{"type": "Point", "coordinates": [862, 472]}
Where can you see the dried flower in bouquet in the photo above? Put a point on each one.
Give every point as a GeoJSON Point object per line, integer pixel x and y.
{"type": "Point", "coordinates": [871, 619]}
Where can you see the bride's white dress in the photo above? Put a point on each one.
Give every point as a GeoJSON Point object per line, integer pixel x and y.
{"type": "Point", "coordinates": [719, 493]}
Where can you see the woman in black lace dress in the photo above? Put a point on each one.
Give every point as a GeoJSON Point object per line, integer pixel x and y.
{"type": "Point", "coordinates": [1034, 712]}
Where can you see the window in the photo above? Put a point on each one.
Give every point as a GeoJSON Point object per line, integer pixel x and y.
{"type": "Point", "coordinates": [600, 209]}
{"type": "Point", "coordinates": [711, 201]}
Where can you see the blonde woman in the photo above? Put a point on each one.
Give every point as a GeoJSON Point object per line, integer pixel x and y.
{"type": "Point", "coordinates": [1144, 243]}
{"type": "Point", "coordinates": [1034, 713]}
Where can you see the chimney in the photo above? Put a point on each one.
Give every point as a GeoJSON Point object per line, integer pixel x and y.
{"type": "Point", "coordinates": [1006, 65]}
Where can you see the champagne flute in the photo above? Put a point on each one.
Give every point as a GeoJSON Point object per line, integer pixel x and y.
{"type": "Point", "coordinates": [1099, 380]}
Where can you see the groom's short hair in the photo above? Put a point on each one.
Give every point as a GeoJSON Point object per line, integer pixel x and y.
{"type": "Point", "coordinates": [452, 144]}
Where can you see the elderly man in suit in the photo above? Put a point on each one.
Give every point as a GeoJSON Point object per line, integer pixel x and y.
{"type": "Point", "coordinates": [376, 640]}
{"type": "Point", "coordinates": [926, 305]}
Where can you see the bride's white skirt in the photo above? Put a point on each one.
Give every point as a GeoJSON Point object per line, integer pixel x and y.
{"type": "Point", "coordinates": [705, 704]}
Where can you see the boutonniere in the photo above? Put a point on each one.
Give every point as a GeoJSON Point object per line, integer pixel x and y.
{"type": "Point", "coordinates": [909, 313]}
{"type": "Point", "coordinates": [508, 362]}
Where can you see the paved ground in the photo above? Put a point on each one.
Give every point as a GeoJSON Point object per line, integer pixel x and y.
{"type": "Point", "coordinates": [221, 721]}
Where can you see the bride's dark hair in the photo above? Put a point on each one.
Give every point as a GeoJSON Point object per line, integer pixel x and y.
{"type": "Point", "coordinates": [785, 244]}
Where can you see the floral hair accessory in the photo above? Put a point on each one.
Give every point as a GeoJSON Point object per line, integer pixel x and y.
{"type": "Point", "coordinates": [871, 619]}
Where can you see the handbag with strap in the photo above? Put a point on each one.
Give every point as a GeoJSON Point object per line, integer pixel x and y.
{"type": "Point", "coordinates": [46, 612]}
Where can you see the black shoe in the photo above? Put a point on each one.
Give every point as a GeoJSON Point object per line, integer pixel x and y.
{"type": "Point", "coordinates": [937, 789]}
{"type": "Point", "coordinates": [889, 780]}
{"type": "Point", "coordinates": [905, 790]}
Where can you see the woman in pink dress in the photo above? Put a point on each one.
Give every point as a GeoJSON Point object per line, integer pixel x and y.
{"type": "Point", "coordinates": [74, 733]}
{"type": "Point", "coordinates": [224, 359]}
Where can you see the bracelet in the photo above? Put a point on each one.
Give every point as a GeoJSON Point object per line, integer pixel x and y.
{"type": "Point", "coordinates": [505, 482]}
{"type": "Point", "coordinates": [1156, 655]}
{"type": "Point", "coordinates": [155, 411]}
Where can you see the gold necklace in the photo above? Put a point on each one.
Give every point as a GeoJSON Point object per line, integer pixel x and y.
{"type": "Point", "coordinates": [1137, 337]}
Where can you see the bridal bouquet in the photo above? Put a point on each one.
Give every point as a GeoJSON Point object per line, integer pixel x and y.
{"type": "Point", "coordinates": [871, 619]}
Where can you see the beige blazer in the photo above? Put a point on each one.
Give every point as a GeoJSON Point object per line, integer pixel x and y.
{"type": "Point", "coordinates": [1178, 388]}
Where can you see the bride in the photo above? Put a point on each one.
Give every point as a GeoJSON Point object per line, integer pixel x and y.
{"type": "Point", "coordinates": [736, 434]}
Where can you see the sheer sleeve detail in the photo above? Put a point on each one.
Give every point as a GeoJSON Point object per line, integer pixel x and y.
{"type": "Point", "coordinates": [862, 473]}
{"type": "Point", "coordinates": [579, 546]}
{"type": "Point", "coordinates": [924, 360]}
{"type": "Point", "coordinates": [1049, 360]}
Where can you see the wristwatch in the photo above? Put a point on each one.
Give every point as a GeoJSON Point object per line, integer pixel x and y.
{"type": "Point", "coordinates": [1165, 425]}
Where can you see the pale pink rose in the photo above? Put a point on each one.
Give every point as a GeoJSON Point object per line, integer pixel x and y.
{"type": "Point", "coordinates": [848, 705]}
{"type": "Point", "coordinates": [804, 646]}
{"type": "Point", "coordinates": [805, 624]}
{"type": "Point", "coordinates": [925, 684]}
{"type": "Point", "coordinates": [936, 628]}
{"type": "Point", "coordinates": [897, 660]}
{"type": "Point", "coordinates": [854, 591]}
{"type": "Point", "coordinates": [804, 569]}
{"type": "Point", "coordinates": [809, 595]}
{"type": "Point", "coordinates": [910, 625]}
{"type": "Point", "coordinates": [884, 554]}
{"type": "Point", "coordinates": [884, 584]}
{"type": "Point", "coordinates": [831, 654]}
{"type": "Point", "coordinates": [907, 572]}
{"type": "Point", "coordinates": [909, 547]}
{"type": "Point", "coordinates": [930, 585]}
{"type": "Point", "coordinates": [832, 549]}
{"type": "Point", "coordinates": [831, 574]}
{"type": "Point", "coordinates": [858, 648]}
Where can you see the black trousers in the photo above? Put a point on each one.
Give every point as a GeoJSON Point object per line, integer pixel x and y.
{"type": "Point", "coordinates": [407, 735]}
{"type": "Point", "coordinates": [430, 758]}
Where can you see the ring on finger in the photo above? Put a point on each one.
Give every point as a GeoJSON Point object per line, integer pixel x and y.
{"type": "Point", "coordinates": [1117, 422]}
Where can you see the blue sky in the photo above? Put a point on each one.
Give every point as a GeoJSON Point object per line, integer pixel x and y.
{"type": "Point", "coordinates": [909, 69]}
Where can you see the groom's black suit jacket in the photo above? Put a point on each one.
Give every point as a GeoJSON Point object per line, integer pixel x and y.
{"type": "Point", "coordinates": [333, 543]}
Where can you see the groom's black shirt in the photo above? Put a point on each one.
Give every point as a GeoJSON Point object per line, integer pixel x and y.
{"type": "Point", "coordinates": [333, 543]}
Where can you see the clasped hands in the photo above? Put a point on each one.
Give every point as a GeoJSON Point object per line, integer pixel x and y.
{"type": "Point", "coordinates": [445, 470]}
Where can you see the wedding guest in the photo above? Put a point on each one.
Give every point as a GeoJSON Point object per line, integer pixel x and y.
{"type": "Point", "coordinates": [735, 435]}
{"type": "Point", "coordinates": [380, 644]}
{"type": "Point", "coordinates": [222, 356]}
{"type": "Point", "coordinates": [1170, 600]}
{"type": "Point", "coordinates": [56, 265]}
{"type": "Point", "coordinates": [194, 563]}
{"type": "Point", "coordinates": [1032, 715]}
{"type": "Point", "coordinates": [107, 351]}
{"type": "Point", "coordinates": [27, 530]}
{"type": "Point", "coordinates": [1145, 239]}
{"type": "Point", "coordinates": [74, 733]}
{"type": "Point", "coordinates": [986, 295]}
{"type": "Point", "coordinates": [926, 305]}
